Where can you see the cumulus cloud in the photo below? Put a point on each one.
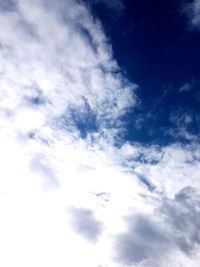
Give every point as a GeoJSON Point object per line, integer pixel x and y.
{"type": "Point", "coordinates": [182, 215]}
{"type": "Point", "coordinates": [143, 240]}
{"type": "Point", "coordinates": [172, 229]}
{"type": "Point", "coordinates": [63, 181]}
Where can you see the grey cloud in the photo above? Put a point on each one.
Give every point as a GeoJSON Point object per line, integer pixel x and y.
{"type": "Point", "coordinates": [182, 214]}
{"type": "Point", "coordinates": [7, 5]}
{"type": "Point", "coordinates": [86, 35]}
{"type": "Point", "coordinates": [173, 227]}
{"type": "Point", "coordinates": [83, 221]}
{"type": "Point", "coordinates": [144, 239]}
{"type": "Point", "coordinates": [146, 182]}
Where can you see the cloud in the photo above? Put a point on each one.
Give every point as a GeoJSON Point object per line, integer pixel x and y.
{"type": "Point", "coordinates": [7, 6]}
{"type": "Point", "coordinates": [62, 101]}
{"type": "Point", "coordinates": [174, 228]}
{"type": "Point", "coordinates": [84, 222]}
{"type": "Point", "coordinates": [83, 67]}
{"type": "Point", "coordinates": [176, 167]}
{"type": "Point", "coordinates": [41, 165]}
{"type": "Point", "coordinates": [184, 125]}
{"type": "Point", "coordinates": [192, 10]}
{"type": "Point", "coordinates": [186, 88]}
{"type": "Point", "coordinates": [143, 240]}
{"type": "Point", "coordinates": [182, 215]}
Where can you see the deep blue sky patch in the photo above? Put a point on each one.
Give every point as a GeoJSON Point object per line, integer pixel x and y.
{"type": "Point", "coordinates": [157, 48]}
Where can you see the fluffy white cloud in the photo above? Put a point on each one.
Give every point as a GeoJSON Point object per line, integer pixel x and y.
{"type": "Point", "coordinates": [68, 196]}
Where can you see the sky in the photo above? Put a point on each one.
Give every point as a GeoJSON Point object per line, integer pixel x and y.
{"type": "Point", "coordinates": [157, 46]}
{"type": "Point", "coordinates": [99, 133]}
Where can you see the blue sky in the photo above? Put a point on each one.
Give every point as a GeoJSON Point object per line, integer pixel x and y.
{"type": "Point", "coordinates": [99, 133]}
{"type": "Point", "coordinates": [157, 47]}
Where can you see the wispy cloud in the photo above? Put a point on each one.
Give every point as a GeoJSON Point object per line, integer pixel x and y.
{"type": "Point", "coordinates": [186, 88]}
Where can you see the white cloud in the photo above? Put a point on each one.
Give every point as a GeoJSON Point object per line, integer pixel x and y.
{"type": "Point", "coordinates": [58, 77]}
{"type": "Point", "coordinates": [186, 87]}
{"type": "Point", "coordinates": [193, 11]}
{"type": "Point", "coordinates": [182, 121]}
{"type": "Point", "coordinates": [58, 58]}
